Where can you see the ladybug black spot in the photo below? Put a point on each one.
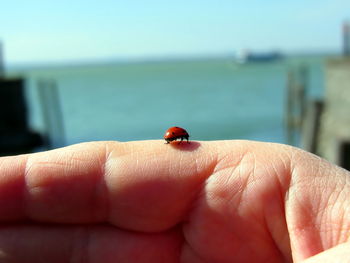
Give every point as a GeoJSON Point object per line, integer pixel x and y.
{"type": "Point", "coordinates": [173, 133]}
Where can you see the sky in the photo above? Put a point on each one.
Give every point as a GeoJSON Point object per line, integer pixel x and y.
{"type": "Point", "coordinates": [40, 31]}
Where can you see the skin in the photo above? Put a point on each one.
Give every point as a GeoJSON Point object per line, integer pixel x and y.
{"type": "Point", "coordinates": [145, 201]}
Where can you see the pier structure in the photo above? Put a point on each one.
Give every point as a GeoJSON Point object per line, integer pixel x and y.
{"type": "Point", "coordinates": [334, 131]}
{"type": "Point", "coordinates": [322, 125]}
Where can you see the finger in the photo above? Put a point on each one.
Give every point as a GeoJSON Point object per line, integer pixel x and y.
{"type": "Point", "coordinates": [260, 195]}
{"type": "Point", "coordinates": [316, 205]}
{"type": "Point", "coordinates": [275, 202]}
{"type": "Point", "coordinates": [338, 253]}
{"type": "Point", "coordinates": [144, 186]}
{"type": "Point", "coordinates": [241, 214]}
{"type": "Point", "coordinates": [94, 244]}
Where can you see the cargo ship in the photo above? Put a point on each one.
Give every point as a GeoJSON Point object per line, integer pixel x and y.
{"type": "Point", "coordinates": [246, 57]}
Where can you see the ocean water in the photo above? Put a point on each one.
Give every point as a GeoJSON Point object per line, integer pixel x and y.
{"type": "Point", "coordinates": [213, 99]}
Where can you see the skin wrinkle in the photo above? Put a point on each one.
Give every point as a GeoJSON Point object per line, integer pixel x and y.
{"type": "Point", "coordinates": [225, 183]}
{"type": "Point", "coordinates": [201, 194]}
{"type": "Point", "coordinates": [346, 211]}
{"type": "Point", "coordinates": [293, 174]}
{"type": "Point", "coordinates": [173, 165]}
{"type": "Point", "coordinates": [194, 204]}
{"type": "Point", "coordinates": [238, 195]}
{"type": "Point", "coordinates": [306, 211]}
{"type": "Point", "coordinates": [246, 182]}
{"type": "Point", "coordinates": [340, 212]}
{"type": "Point", "coordinates": [116, 162]}
{"type": "Point", "coordinates": [100, 189]}
{"type": "Point", "coordinates": [80, 245]}
{"type": "Point", "coordinates": [187, 248]}
{"type": "Point", "coordinates": [273, 241]}
{"type": "Point", "coordinates": [196, 197]}
{"type": "Point", "coordinates": [111, 159]}
{"type": "Point", "coordinates": [286, 240]}
{"type": "Point", "coordinates": [168, 167]}
{"type": "Point", "coordinates": [181, 161]}
{"type": "Point", "coordinates": [347, 234]}
{"type": "Point", "coordinates": [154, 156]}
{"type": "Point", "coordinates": [284, 183]}
{"type": "Point", "coordinates": [264, 225]}
{"type": "Point", "coordinates": [242, 183]}
{"type": "Point", "coordinates": [87, 245]}
{"type": "Point", "coordinates": [108, 154]}
{"type": "Point", "coordinates": [224, 160]}
{"type": "Point", "coordinates": [219, 168]}
{"type": "Point", "coordinates": [326, 211]}
{"type": "Point", "coordinates": [257, 177]}
{"type": "Point", "coordinates": [23, 171]}
{"type": "Point", "coordinates": [196, 165]}
{"type": "Point", "coordinates": [25, 192]}
{"type": "Point", "coordinates": [250, 178]}
{"type": "Point", "coordinates": [305, 233]}
{"type": "Point", "coordinates": [31, 179]}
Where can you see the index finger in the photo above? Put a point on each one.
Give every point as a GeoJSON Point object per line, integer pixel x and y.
{"type": "Point", "coordinates": [144, 186]}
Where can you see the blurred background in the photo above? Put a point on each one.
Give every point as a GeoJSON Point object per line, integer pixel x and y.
{"type": "Point", "coordinates": [74, 71]}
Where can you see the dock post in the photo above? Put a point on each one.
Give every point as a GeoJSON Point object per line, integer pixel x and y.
{"type": "Point", "coordinates": [52, 113]}
{"type": "Point", "coordinates": [295, 103]}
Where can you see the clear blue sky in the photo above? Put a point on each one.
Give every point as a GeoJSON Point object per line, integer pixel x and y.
{"type": "Point", "coordinates": [67, 30]}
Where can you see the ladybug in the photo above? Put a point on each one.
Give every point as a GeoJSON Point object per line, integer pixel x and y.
{"type": "Point", "coordinates": [174, 133]}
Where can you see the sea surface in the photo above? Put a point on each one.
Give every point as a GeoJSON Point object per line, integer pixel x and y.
{"type": "Point", "coordinates": [213, 99]}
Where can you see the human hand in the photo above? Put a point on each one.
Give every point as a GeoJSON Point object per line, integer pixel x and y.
{"type": "Point", "coordinates": [220, 201]}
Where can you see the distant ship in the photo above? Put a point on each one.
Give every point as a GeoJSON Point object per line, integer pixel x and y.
{"type": "Point", "coordinates": [246, 56]}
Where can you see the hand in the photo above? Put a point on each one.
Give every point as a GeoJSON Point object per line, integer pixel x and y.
{"type": "Point", "coordinates": [223, 201]}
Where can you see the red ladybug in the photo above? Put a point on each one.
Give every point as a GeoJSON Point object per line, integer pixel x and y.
{"type": "Point", "coordinates": [174, 133]}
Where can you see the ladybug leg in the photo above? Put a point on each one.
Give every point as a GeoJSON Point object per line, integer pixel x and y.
{"type": "Point", "coordinates": [182, 138]}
